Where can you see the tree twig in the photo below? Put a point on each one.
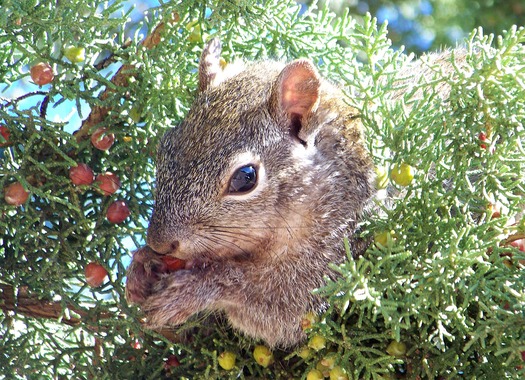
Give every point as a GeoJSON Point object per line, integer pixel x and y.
{"type": "Point", "coordinates": [24, 303]}
{"type": "Point", "coordinates": [8, 102]}
{"type": "Point", "coordinates": [121, 79]}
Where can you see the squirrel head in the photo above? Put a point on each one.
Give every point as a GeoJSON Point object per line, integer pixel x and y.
{"type": "Point", "coordinates": [268, 159]}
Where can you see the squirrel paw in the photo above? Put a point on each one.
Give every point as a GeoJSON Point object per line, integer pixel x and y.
{"type": "Point", "coordinates": [175, 297]}
{"type": "Point", "coordinates": [143, 273]}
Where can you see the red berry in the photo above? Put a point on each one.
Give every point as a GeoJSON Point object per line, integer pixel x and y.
{"type": "Point", "coordinates": [4, 132]}
{"type": "Point", "coordinates": [42, 73]}
{"type": "Point", "coordinates": [81, 175]}
{"type": "Point", "coordinates": [482, 137]}
{"type": "Point", "coordinates": [495, 210]}
{"type": "Point", "coordinates": [15, 194]}
{"type": "Point", "coordinates": [173, 264]}
{"type": "Point", "coordinates": [108, 182]}
{"type": "Point", "coordinates": [117, 212]}
{"type": "Point", "coordinates": [523, 355]}
{"type": "Point", "coordinates": [95, 274]}
{"type": "Point", "coordinates": [101, 139]}
{"type": "Point", "coordinates": [172, 361]}
{"type": "Point", "coordinates": [520, 244]}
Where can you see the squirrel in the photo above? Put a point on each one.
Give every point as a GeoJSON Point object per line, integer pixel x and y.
{"type": "Point", "coordinates": [256, 191]}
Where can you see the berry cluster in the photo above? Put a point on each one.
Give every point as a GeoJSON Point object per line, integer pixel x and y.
{"type": "Point", "coordinates": [107, 183]}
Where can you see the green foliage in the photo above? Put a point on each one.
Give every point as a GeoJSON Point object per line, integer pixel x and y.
{"type": "Point", "coordinates": [444, 283]}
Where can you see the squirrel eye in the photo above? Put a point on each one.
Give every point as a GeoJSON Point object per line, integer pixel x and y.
{"type": "Point", "coordinates": [243, 180]}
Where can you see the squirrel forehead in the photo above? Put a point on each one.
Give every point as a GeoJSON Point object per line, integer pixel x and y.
{"type": "Point", "coordinates": [189, 148]}
{"type": "Point", "coordinates": [230, 117]}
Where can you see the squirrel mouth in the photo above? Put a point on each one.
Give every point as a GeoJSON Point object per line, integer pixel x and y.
{"type": "Point", "coordinates": [172, 264]}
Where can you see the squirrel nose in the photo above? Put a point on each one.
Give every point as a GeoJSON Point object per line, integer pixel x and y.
{"type": "Point", "coordinates": [164, 247]}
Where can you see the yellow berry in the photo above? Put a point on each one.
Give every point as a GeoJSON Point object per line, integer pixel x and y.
{"type": "Point", "coordinates": [338, 373]}
{"type": "Point", "coordinates": [195, 38]}
{"type": "Point", "coordinates": [135, 113]}
{"type": "Point", "coordinates": [402, 174]}
{"type": "Point", "coordinates": [305, 353]}
{"type": "Point", "coordinates": [190, 25]}
{"type": "Point", "coordinates": [323, 369]}
{"type": "Point", "coordinates": [396, 348]}
{"type": "Point", "coordinates": [381, 178]}
{"type": "Point", "coordinates": [127, 139]}
{"type": "Point", "coordinates": [317, 342]}
{"type": "Point", "coordinates": [75, 54]}
{"type": "Point", "coordinates": [314, 374]}
{"type": "Point", "coordinates": [381, 238]}
{"type": "Point", "coordinates": [308, 320]}
{"type": "Point", "coordinates": [263, 356]}
{"type": "Point", "coordinates": [195, 32]}
{"type": "Point", "coordinates": [227, 360]}
{"type": "Point", "coordinates": [329, 360]}
{"type": "Point", "coordinates": [222, 63]}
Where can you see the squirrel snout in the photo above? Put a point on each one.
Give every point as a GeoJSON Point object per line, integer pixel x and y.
{"type": "Point", "coordinates": [164, 247]}
{"type": "Point", "coordinates": [161, 239]}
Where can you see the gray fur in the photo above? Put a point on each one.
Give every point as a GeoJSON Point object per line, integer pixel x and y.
{"type": "Point", "coordinates": [257, 260]}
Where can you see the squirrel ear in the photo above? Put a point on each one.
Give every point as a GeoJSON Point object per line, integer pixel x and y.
{"type": "Point", "coordinates": [296, 94]}
{"type": "Point", "coordinates": [210, 70]}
